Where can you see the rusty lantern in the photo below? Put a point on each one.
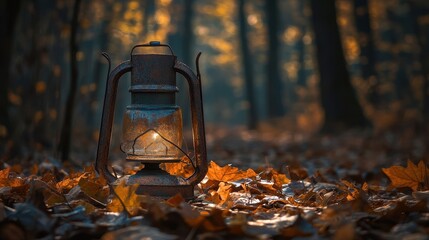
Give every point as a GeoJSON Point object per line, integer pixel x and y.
{"type": "Point", "coordinates": [152, 124]}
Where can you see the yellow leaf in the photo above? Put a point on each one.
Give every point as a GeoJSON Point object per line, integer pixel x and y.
{"type": "Point", "coordinates": [224, 190]}
{"type": "Point", "coordinates": [227, 173]}
{"type": "Point", "coordinates": [128, 196]}
{"type": "Point", "coordinates": [413, 176]}
{"type": "Point", "coordinates": [279, 179]}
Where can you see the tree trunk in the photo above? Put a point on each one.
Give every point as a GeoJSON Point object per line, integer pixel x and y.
{"type": "Point", "coordinates": [187, 42]}
{"type": "Point", "coordinates": [398, 29]}
{"type": "Point", "coordinates": [149, 10]}
{"type": "Point", "coordinates": [101, 68]}
{"type": "Point", "coordinates": [300, 45]}
{"type": "Point", "coordinates": [9, 12]}
{"type": "Point", "coordinates": [65, 138]}
{"type": "Point", "coordinates": [422, 35]}
{"type": "Point", "coordinates": [367, 50]}
{"type": "Point", "coordinates": [301, 75]}
{"type": "Point", "coordinates": [252, 120]}
{"type": "Point", "coordinates": [342, 109]}
{"type": "Point", "coordinates": [274, 83]}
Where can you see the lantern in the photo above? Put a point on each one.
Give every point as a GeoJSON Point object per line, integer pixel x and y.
{"type": "Point", "coordinates": [152, 124]}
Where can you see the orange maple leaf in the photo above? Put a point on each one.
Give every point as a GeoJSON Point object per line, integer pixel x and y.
{"type": "Point", "coordinates": [220, 196]}
{"type": "Point", "coordinates": [184, 169]}
{"type": "Point", "coordinates": [227, 173]}
{"type": "Point", "coordinates": [413, 176]}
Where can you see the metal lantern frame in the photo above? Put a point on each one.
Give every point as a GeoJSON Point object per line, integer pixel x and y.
{"type": "Point", "coordinates": [153, 79]}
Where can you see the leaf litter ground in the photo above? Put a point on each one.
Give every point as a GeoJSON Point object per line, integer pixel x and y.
{"type": "Point", "coordinates": [279, 186]}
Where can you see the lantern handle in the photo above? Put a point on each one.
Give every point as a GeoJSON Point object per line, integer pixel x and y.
{"type": "Point", "coordinates": [197, 115]}
{"type": "Point", "coordinates": [107, 120]}
{"type": "Point", "coordinates": [152, 44]}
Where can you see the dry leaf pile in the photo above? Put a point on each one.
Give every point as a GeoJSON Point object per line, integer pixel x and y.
{"type": "Point", "coordinates": [293, 199]}
{"type": "Point", "coordinates": [230, 203]}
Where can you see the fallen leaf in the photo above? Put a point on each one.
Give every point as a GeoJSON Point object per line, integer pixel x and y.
{"type": "Point", "coordinates": [183, 169]}
{"type": "Point", "coordinates": [138, 232]}
{"type": "Point", "coordinates": [128, 199]}
{"type": "Point", "coordinates": [272, 175]}
{"type": "Point", "coordinates": [224, 191]}
{"type": "Point", "coordinates": [300, 228]}
{"type": "Point", "coordinates": [192, 216]}
{"type": "Point", "coordinates": [70, 181]}
{"type": "Point", "coordinates": [345, 231]}
{"type": "Point", "coordinates": [214, 221]}
{"type": "Point", "coordinates": [4, 173]}
{"type": "Point", "coordinates": [93, 189]}
{"type": "Point", "coordinates": [227, 173]}
{"type": "Point", "coordinates": [413, 176]}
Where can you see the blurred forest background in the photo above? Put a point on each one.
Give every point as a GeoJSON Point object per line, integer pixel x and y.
{"type": "Point", "coordinates": [293, 65]}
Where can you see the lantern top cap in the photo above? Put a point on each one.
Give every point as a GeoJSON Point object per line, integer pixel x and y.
{"type": "Point", "coordinates": [155, 44]}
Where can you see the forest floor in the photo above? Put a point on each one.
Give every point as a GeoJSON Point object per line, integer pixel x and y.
{"type": "Point", "coordinates": [280, 185]}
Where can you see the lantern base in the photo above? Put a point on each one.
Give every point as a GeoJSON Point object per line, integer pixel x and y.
{"type": "Point", "coordinates": [156, 182]}
{"type": "Point", "coordinates": [163, 191]}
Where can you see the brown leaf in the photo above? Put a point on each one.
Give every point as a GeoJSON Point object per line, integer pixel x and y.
{"type": "Point", "coordinates": [227, 173]}
{"type": "Point", "coordinates": [345, 231]}
{"type": "Point", "coordinates": [214, 221]}
{"type": "Point", "coordinates": [94, 189]}
{"type": "Point", "coordinates": [191, 216]}
{"type": "Point", "coordinates": [272, 175]}
{"type": "Point", "coordinates": [413, 176]}
{"type": "Point", "coordinates": [129, 199]}
{"type": "Point", "coordinates": [300, 228]}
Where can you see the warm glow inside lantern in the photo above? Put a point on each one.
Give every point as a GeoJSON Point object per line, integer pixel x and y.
{"type": "Point", "coordinates": [152, 133]}
{"type": "Point", "coordinates": [152, 124]}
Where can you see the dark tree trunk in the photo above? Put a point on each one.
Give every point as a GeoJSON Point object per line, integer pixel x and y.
{"type": "Point", "coordinates": [274, 83]}
{"type": "Point", "coordinates": [187, 42]}
{"type": "Point", "coordinates": [300, 46]}
{"type": "Point", "coordinates": [252, 120]}
{"type": "Point", "coordinates": [367, 50]}
{"type": "Point", "coordinates": [9, 12]}
{"type": "Point", "coordinates": [398, 29]}
{"type": "Point", "coordinates": [100, 71]}
{"type": "Point", "coordinates": [422, 35]}
{"type": "Point", "coordinates": [342, 109]}
{"type": "Point", "coordinates": [188, 35]}
{"type": "Point", "coordinates": [65, 138]}
{"type": "Point", "coordinates": [301, 76]}
{"type": "Point", "coordinates": [149, 10]}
